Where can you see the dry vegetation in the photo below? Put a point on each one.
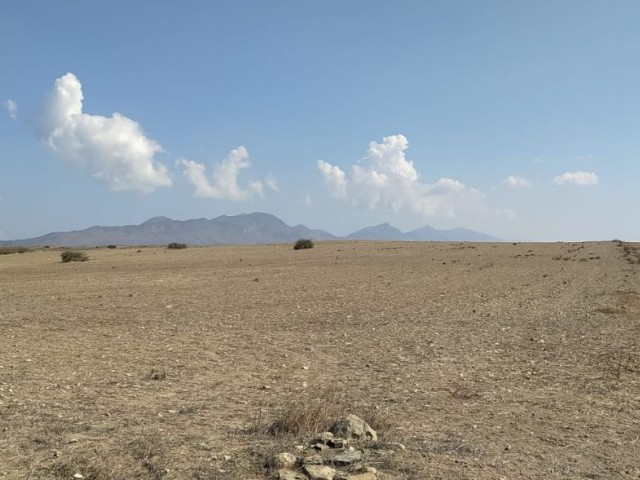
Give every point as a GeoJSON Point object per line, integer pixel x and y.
{"type": "Point", "coordinates": [484, 360]}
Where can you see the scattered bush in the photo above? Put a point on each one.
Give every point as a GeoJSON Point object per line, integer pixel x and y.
{"type": "Point", "coordinates": [71, 256]}
{"type": "Point", "coordinates": [112, 246]}
{"type": "Point", "coordinates": [303, 243]}
{"type": "Point", "coordinates": [8, 250]}
{"type": "Point", "coordinates": [176, 246]}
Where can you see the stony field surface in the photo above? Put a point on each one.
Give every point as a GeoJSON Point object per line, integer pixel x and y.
{"type": "Point", "coordinates": [485, 361]}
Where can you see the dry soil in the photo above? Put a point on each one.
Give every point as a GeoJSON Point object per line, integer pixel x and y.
{"type": "Point", "coordinates": [484, 360]}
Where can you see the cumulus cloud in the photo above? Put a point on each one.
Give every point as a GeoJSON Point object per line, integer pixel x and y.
{"type": "Point", "coordinates": [385, 178]}
{"type": "Point", "coordinates": [12, 108]}
{"type": "Point", "coordinates": [113, 150]}
{"type": "Point", "coordinates": [223, 183]}
{"type": "Point", "coordinates": [336, 179]}
{"type": "Point", "coordinates": [584, 179]}
{"type": "Point", "coordinates": [516, 182]}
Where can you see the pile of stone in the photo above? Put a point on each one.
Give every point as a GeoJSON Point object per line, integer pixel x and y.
{"type": "Point", "coordinates": [338, 454]}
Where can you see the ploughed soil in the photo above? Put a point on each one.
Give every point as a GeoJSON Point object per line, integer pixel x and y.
{"type": "Point", "coordinates": [484, 360]}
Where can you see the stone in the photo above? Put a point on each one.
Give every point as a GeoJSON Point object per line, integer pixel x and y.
{"type": "Point", "coordinates": [347, 457]}
{"type": "Point", "coordinates": [353, 426]}
{"type": "Point", "coordinates": [286, 474]}
{"type": "Point", "coordinates": [313, 460]}
{"type": "Point", "coordinates": [362, 476]}
{"type": "Point", "coordinates": [397, 446]}
{"type": "Point", "coordinates": [282, 461]}
{"type": "Point", "coordinates": [337, 443]}
{"type": "Point", "coordinates": [320, 472]}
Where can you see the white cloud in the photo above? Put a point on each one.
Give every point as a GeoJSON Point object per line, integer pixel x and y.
{"type": "Point", "coordinates": [516, 182]}
{"type": "Point", "coordinates": [12, 108]}
{"type": "Point", "coordinates": [271, 182]}
{"type": "Point", "coordinates": [223, 183]}
{"type": "Point", "coordinates": [113, 150]}
{"type": "Point", "coordinates": [576, 178]}
{"type": "Point", "coordinates": [335, 178]}
{"type": "Point", "coordinates": [385, 178]}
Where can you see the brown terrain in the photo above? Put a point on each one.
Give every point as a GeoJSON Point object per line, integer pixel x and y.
{"type": "Point", "coordinates": [485, 361]}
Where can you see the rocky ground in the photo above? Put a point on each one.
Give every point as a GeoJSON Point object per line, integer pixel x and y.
{"type": "Point", "coordinates": [467, 360]}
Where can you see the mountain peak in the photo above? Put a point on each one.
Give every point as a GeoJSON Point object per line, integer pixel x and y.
{"type": "Point", "coordinates": [159, 219]}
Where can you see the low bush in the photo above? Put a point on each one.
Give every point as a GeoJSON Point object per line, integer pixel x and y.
{"type": "Point", "coordinates": [176, 246]}
{"type": "Point", "coordinates": [71, 256]}
{"type": "Point", "coordinates": [303, 243]}
{"type": "Point", "coordinates": [112, 246]}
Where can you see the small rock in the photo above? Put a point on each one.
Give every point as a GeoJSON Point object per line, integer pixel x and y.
{"type": "Point", "coordinates": [337, 443]}
{"type": "Point", "coordinates": [398, 446]}
{"type": "Point", "coordinates": [291, 475]}
{"type": "Point", "coordinates": [319, 472]}
{"type": "Point", "coordinates": [363, 476]}
{"type": "Point", "coordinates": [283, 461]}
{"type": "Point", "coordinates": [227, 458]}
{"type": "Point", "coordinates": [313, 460]}
{"type": "Point", "coordinates": [352, 426]}
{"type": "Point", "coordinates": [78, 475]}
{"type": "Point", "coordinates": [347, 458]}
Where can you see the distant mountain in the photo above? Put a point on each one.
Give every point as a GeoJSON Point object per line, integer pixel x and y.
{"type": "Point", "coordinates": [384, 231]}
{"type": "Point", "coordinates": [428, 233]}
{"type": "Point", "coordinates": [239, 229]}
{"type": "Point", "coordinates": [387, 232]}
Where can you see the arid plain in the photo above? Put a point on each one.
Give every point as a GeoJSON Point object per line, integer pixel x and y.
{"type": "Point", "coordinates": [484, 361]}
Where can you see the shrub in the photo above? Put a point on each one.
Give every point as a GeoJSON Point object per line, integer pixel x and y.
{"type": "Point", "coordinates": [303, 243]}
{"type": "Point", "coordinates": [112, 246]}
{"type": "Point", "coordinates": [71, 256]}
{"type": "Point", "coordinates": [176, 246]}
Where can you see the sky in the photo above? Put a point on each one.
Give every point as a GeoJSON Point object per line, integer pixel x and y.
{"type": "Point", "coordinates": [520, 119]}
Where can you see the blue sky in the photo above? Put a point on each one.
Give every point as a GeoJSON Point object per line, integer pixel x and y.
{"type": "Point", "coordinates": [518, 119]}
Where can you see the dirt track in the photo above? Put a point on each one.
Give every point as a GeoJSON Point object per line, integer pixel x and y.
{"type": "Point", "coordinates": [484, 360]}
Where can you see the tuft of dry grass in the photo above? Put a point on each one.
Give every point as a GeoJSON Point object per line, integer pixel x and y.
{"type": "Point", "coordinates": [311, 413]}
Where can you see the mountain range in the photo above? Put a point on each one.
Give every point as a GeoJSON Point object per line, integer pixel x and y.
{"type": "Point", "coordinates": [239, 229]}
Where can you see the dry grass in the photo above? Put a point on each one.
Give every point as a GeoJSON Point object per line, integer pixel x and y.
{"type": "Point", "coordinates": [8, 250]}
{"type": "Point", "coordinates": [308, 414]}
{"type": "Point", "coordinates": [484, 360]}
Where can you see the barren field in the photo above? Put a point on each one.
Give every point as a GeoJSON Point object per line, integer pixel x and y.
{"type": "Point", "coordinates": [483, 360]}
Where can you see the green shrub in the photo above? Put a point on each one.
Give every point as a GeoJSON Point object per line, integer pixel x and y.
{"type": "Point", "coordinates": [303, 243]}
{"type": "Point", "coordinates": [176, 246]}
{"type": "Point", "coordinates": [71, 256]}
